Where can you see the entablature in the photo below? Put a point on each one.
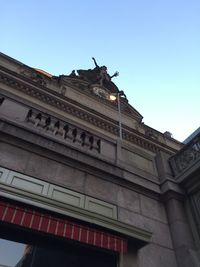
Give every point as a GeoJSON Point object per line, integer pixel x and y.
{"type": "Point", "coordinates": [72, 97]}
{"type": "Point", "coordinates": [35, 192]}
{"type": "Point", "coordinates": [96, 121]}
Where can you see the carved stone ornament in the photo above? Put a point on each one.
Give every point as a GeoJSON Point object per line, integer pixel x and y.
{"type": "Point", "coordinates": [186, 156]}
{"type": "Point", "coordinates": [34, 76]}
{"type": "Point", "coordinates": [100, 91]}
{"type": "Point", "coordinates": [151, 133]}
{"type": "Point", "coordinates": [78, 112]}
{"type": "Point", "coordinates": [97, 75]}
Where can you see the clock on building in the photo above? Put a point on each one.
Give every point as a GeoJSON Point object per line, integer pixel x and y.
{"type": "Point", "coordinates": [101, 92]}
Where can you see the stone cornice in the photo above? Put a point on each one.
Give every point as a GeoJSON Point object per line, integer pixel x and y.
{"type": "Point", "coordinates": [33, 141]}
{"type": "Point", "coordinates": [139, 235]}
{"type": "Point", "coordinates": [80, 85]}
{"type": "Point", "coordinates": [52, 98]}
{"type": "Point", "coordinates": [186, 158]}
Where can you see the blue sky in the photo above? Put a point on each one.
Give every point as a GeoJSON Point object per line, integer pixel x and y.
{"type": "Point", "coordinates": [154, 44]}
{"type": "Point", "coordinates": [10, 252]}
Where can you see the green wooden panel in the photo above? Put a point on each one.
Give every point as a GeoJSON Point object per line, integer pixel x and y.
{"type": "Point", "coordinates": [27, 183]}
{"type": "Point", "coordinates": [101, 207]}
{"type": "Point", "coordinates": [66, 196]}
{"type": "Point", "coordinates": [3, 174]}
{"type": "Point", "coordinates": [36, 192]}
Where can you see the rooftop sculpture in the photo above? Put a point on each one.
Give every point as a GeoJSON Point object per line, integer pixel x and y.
{"type": "Point", "coordinates": [98, 75]}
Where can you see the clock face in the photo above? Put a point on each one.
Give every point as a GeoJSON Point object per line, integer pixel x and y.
{"type": "Point", "coordinates": [101, 92]}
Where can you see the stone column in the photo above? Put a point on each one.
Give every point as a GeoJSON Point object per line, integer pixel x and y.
{"type": "Point", "coordinates": [180, 231]}
{"type": "Point", "coordinates": [174, 198]}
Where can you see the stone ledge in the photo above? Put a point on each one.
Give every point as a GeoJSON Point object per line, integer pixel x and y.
{"type": "Point", "coordinates": [139, 236]}
{"type": "Point", "coordinates": [53, 99]}
{"type": "Point", "coordinates": [96, 162]}
{"type": "Point", "coordinates": [29, 184]}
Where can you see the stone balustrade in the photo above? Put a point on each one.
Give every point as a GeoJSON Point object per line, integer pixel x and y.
{"type": "Point", "coordinates": [65, 131]}
{"type": "Point", "coordinates": [186, 157]}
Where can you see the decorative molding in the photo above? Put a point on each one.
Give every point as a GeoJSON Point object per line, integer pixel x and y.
{"type": "Point", "coordinates": [34, 76]}
{"type": "Point", "coordinates": [46, 201]}
{"type": "Point", "coordinates": [3, 174]}
{"type": "Point", "coordinates": [151, 133]}
{"type": "Point", "coordinates": [55, 101]}
{"type": "Point", "coordinates": [60, 129]}
{"type": "Point", "coordinates": [139, 235]}
{"type": "Point", "coordinates": [186, 157]}
{"type": "Point", "coordinates": [59, 194]}
{"type": "Point", "coordinates": [27, 183]}
{"type": "Point", "coordinates": [100, 207]}
{"type": "Point", "coordinates": [84, 162]}
{"type": "Point", "coordinates": [88, 89]}
{"type": "Point", "coordinates": [66, 196]}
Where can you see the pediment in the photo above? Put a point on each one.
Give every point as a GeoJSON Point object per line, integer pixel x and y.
{"type": "Point", "coordinates": [84, 85]}
{"type": "Point", "coordinates": [102, 95]}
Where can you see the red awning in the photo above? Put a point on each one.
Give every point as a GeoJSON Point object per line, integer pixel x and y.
{"type": "Point", "coordinates": [46, 223]}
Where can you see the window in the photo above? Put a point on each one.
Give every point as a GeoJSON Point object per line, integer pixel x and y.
{"type": "Point", "coordinates": [23, 248]}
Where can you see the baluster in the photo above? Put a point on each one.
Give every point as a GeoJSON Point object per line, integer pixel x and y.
{"type": "Point", "coordinates": [37, 119]}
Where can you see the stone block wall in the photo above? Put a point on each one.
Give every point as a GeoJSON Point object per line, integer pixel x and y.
{"type": "Point", "coordinates": [133, 207]}
{"type": "Point", "coordinates": [61, 143]}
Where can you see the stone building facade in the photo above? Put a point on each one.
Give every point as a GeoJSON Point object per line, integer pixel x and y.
{"type": "Point", "coordinates": [62, 159]}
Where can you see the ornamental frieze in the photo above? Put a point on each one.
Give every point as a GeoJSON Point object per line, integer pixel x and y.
{"type": "Point", "coordinates": [34, 76]}
{"type": "Point", "coordinates": [186, 157]}
{"type": "Point", "coordinates": [55, 101]}
{"type": "Point", "coordinates": [63, 130]}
